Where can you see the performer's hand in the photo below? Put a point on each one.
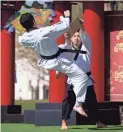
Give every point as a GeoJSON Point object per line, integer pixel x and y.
{"type": "Point", "coordinates": [67, 38]}
{"type": "Point", "coordinates": [67, 13]}
{"type": "Point", "coordinates": [81, 21]}
{"type": "Point", "coordinates": [67, 35]}
{"type": "Point", "coordinates": [58, 74]}
{"type": "Point", "coordinates": [82, 29]}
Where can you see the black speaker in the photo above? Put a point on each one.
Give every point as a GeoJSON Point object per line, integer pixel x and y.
{"type": "Point", "coordinates": [14, 109]}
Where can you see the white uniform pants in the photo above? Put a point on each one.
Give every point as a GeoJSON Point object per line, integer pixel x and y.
{"type": "Point", "coordinates": [78, 77]}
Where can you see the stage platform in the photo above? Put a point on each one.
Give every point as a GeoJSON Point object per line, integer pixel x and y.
{"type": "Point", "coordinates": [49, 114]}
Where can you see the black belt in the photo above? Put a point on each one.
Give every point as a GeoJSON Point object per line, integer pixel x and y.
{"type": "Point", "coordinates": [88, 73]}
{"type": "Point", "coordinates": [73, 51]}
{"type": "Point", "coordinates": [52, 56]}
{"type": "Point", "coordinates": [61, 51]}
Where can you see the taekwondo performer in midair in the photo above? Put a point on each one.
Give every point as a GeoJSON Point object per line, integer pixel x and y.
{"type": "Point", "coordinates": [79, 41]}
{"type": "Point", "coordinates": [43, 41]}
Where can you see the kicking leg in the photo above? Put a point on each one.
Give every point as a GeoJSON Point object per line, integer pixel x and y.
{"type": "Point", "coordinates": [80, 110]}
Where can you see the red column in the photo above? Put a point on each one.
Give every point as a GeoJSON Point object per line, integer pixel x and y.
{"type": "Point", "coordinates": [7, 56]}
{"type": "Point", "coordinates": [7, 60]}
{"type": "Point", "coordinates": [93, 22]}
{"type": "Point", "coordinates": [7, 68]}
{"type": "Point", "coordinates": [58, 86]}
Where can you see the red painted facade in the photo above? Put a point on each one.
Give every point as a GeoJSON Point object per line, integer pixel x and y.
{"type": "Point", "coordinates": [93, 22]}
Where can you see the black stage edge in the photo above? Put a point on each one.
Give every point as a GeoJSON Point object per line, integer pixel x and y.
{"type": "Point", "coordinates": [11, 114]}
{"type": "Point", "coordinates": [52, 118]}
{"type": "Point", "coordinates": [49, 114]}
{"type": "Point", "coordinates": [3, 112]}
{"type": "Point", "coordinates": [46, 106]}
{"type": "Point", "coordinates": [29, 116]}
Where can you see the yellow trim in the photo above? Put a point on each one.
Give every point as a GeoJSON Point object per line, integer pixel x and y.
{"type": "Point", "coordinates": [75, 47]}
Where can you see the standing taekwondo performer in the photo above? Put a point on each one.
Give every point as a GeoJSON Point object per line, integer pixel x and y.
{"type": "Point", "coordinates": [80, 41]}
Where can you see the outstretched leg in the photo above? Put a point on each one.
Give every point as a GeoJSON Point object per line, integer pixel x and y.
{"type": "Point", "coordinates": [80, 110]}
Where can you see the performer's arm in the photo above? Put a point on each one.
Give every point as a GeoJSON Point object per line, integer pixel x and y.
{"type": "Point", "coordinates": [85, 37]}
{"type": "Point", "coordinates": [64, 46]}
{"type": "Point", "coordinates": [59, 28]}
{"type": "Point", "coordinates": [67, 44]}
{"type": "Point", "coordinates": [67, 39]}
{"type": "Point", "coordinates": [25, 41]}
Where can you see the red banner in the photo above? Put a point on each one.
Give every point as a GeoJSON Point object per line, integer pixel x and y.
{"type": "Point", "coordinates": [116, 66]}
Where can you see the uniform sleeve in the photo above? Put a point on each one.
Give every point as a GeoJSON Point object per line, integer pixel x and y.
{"type": "Point", "coordinates": [25, 42]}
{"type": "Point", "coordinates": [58, 29]}
{"type": "Point", "coordinates": [63, 46]}
{"type": "Point", "coordinates": [86, 40]}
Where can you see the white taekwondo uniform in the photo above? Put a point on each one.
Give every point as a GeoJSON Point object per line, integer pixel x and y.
{"type": "Point", "coordinates": [43, 41]}
{"type": "Point", "coordinates": [83, 60]}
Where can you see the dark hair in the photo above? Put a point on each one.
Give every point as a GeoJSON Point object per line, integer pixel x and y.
{"type": "Point", "coordinates": [27, 20]}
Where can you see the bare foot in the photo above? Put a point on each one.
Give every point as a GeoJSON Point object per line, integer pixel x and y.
{"type": "Point", "coordinates": [100, 125]}
{"type": "Point", "coordinates": [64, 125]}
{"type": "Point", "coordinates": [80, 110]}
